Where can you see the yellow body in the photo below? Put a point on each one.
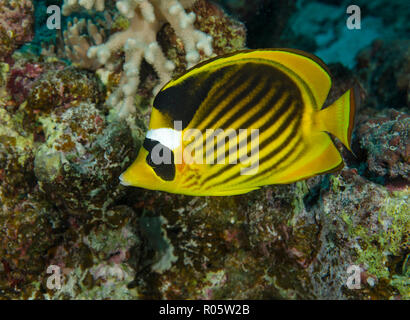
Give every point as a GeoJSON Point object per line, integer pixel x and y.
{"type": "Point", "coordinates": [293, 131]}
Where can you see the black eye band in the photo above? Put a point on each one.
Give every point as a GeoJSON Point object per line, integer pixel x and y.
{"type": "Point", "coordinates": [160, 158]}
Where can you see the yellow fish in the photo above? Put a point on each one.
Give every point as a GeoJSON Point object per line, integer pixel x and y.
{"type": "Point", "coordinates": [240, 121]}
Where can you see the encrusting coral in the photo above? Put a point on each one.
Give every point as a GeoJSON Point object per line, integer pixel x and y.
{"type": "Point", "coordinates": [16, 21]}
{"type": "Point", "coordinates": [384, 139]}
{"type": "Point", "coordinates": [139, 41]}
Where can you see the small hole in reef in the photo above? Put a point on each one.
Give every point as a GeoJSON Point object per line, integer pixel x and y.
{"type": "Point", "coordinates": [39, 136]}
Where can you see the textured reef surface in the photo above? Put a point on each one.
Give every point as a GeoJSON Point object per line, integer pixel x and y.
{"type": "Point", "coordinates": [74, 108]}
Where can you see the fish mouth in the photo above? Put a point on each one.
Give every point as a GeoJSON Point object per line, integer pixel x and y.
{"type": "Point", "coordinates": [122, 180]}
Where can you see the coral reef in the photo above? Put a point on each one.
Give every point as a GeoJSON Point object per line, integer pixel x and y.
{"type": "Point", "coordinates": [27, 232]}
{"type": "Point", "coordinates": [79, 37]}
{"type": "Point", "coordinates": [21, 78]}
{"type": "Point", "coordinates": [384, 69]}
{"type": "Point", "coordinates": [82, 150]}
{"type": "Point", "coordinates": [386, 141]}
{"type": "Point", "coordinates": [91, 266]}
{"type": "Point", "coordinates": [16, 157]}
{"type": "Point", "coordinates": [63, 147]}
{"type": "Point", "coordinates": [66, 87]}
{"type": "Point", "coordinates": [16, 25]}
{"type": "Point", "coordinates": [73, 5]}
{"type": "Point", "coordinates": [281, 242]}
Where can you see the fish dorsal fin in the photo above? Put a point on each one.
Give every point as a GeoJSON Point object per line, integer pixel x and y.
{"type": "Point", "coordinates": [311, 70]}
{"type": "Point", "coordinates": [179, 99]}
{"type": "Point", "coordinates": [304, 68]}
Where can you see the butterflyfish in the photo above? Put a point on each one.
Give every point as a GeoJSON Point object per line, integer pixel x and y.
{"type": "Point", "coordinates": [240, 121]}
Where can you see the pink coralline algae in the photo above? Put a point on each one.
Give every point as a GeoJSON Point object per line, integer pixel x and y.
{"type": "Point", "coordinates": [386, 141]}
{"type": "Point", "coordinates": [21, 79]}
{"type": "Point", "coordinates": [16, 25]}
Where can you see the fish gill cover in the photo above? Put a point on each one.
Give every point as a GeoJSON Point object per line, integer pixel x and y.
{"type": "Point", "coordinates": [75, 104]}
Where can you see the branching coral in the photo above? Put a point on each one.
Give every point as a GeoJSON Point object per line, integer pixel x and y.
{"type": "Point", "coordinates": [73, 5]}
{"type": "Point", "coordinates": [79, 37]}
{"type": "Point", "coordinates": [139, 41]}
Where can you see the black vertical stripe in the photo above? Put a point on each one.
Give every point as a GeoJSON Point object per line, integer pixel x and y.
{"type": "Point", "coordinates": [271, 138]}
{"type": "Point", "coordinates": [235, 100]}
{"type": "Point", "coordinates": [296, 112]}
{"type": "Point", "coordinates": [267, 157]}
{"type": "Point", "coordinates": [267, 86]}
{"type": "Point", "coordinates": [241, 95]}
{"type": "Point", "coordinates": [262, 173]}
{"type": "Point", "coordinates": [275, 117]}
{"type": "Point", "coordinates": [181, 101]}
{"type": "Point", "coordinates": [279, 161]}
{"type": "Point", "coordinates": [234, 80]}
{"type": "Point", "coordinates": [259, 175]}
{"type": "Point", "coordinates": [271, 103]}
{"type": "Point", "coordinates": [296, 127]}
{"type": "Point", "coordinates": [238, 75]}
{"type": "Point", "coordinates": [245, 108]}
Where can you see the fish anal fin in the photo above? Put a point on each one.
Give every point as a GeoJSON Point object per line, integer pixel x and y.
{"type": "Point", "coordinates": [234, 192]}
{"type": "Point", "coordinates": [320, 159]}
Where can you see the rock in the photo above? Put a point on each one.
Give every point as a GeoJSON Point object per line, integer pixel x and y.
{"type": "Point", "coordinates": [385, 139]}
{"type": "Point", "coordinates": [16, 25]}
{"type": "Point", "coordinates": [79, 164]}
{"type": "Point", "coordinates": [280, 242]}
{"type": "Point", "coordinates": [384, 70]}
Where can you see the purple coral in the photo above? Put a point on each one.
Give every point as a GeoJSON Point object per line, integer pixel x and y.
{"type": "Point", "coordinates": [21, 79]}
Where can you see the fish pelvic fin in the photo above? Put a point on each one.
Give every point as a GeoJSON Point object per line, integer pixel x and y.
{"type": "Point", "coordinates": [338, 118]}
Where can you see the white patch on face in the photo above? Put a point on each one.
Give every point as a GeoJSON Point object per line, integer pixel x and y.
{"type": "Point", "coordinates": [168, 137]}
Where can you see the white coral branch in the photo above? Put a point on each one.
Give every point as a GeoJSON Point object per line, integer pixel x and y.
{"type": "Point", "coordinates": [183, 24]}
{"type": "Point", "coordinates": [70, 6]}
{"type": "Point", "coordinates": [79, 37]}
{"type": "Point", "coordinates": [146, 17]}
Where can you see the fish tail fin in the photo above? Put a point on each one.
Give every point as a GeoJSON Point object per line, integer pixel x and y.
{"type": "Point", "coordinates": [338, 118]}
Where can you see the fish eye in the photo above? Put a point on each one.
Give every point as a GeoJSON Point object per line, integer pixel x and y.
{"type": "Point", "coordinates": [163, 166]}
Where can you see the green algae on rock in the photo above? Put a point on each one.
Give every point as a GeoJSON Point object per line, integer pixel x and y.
{"type": "Point", "coordinates": [16, 157]}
